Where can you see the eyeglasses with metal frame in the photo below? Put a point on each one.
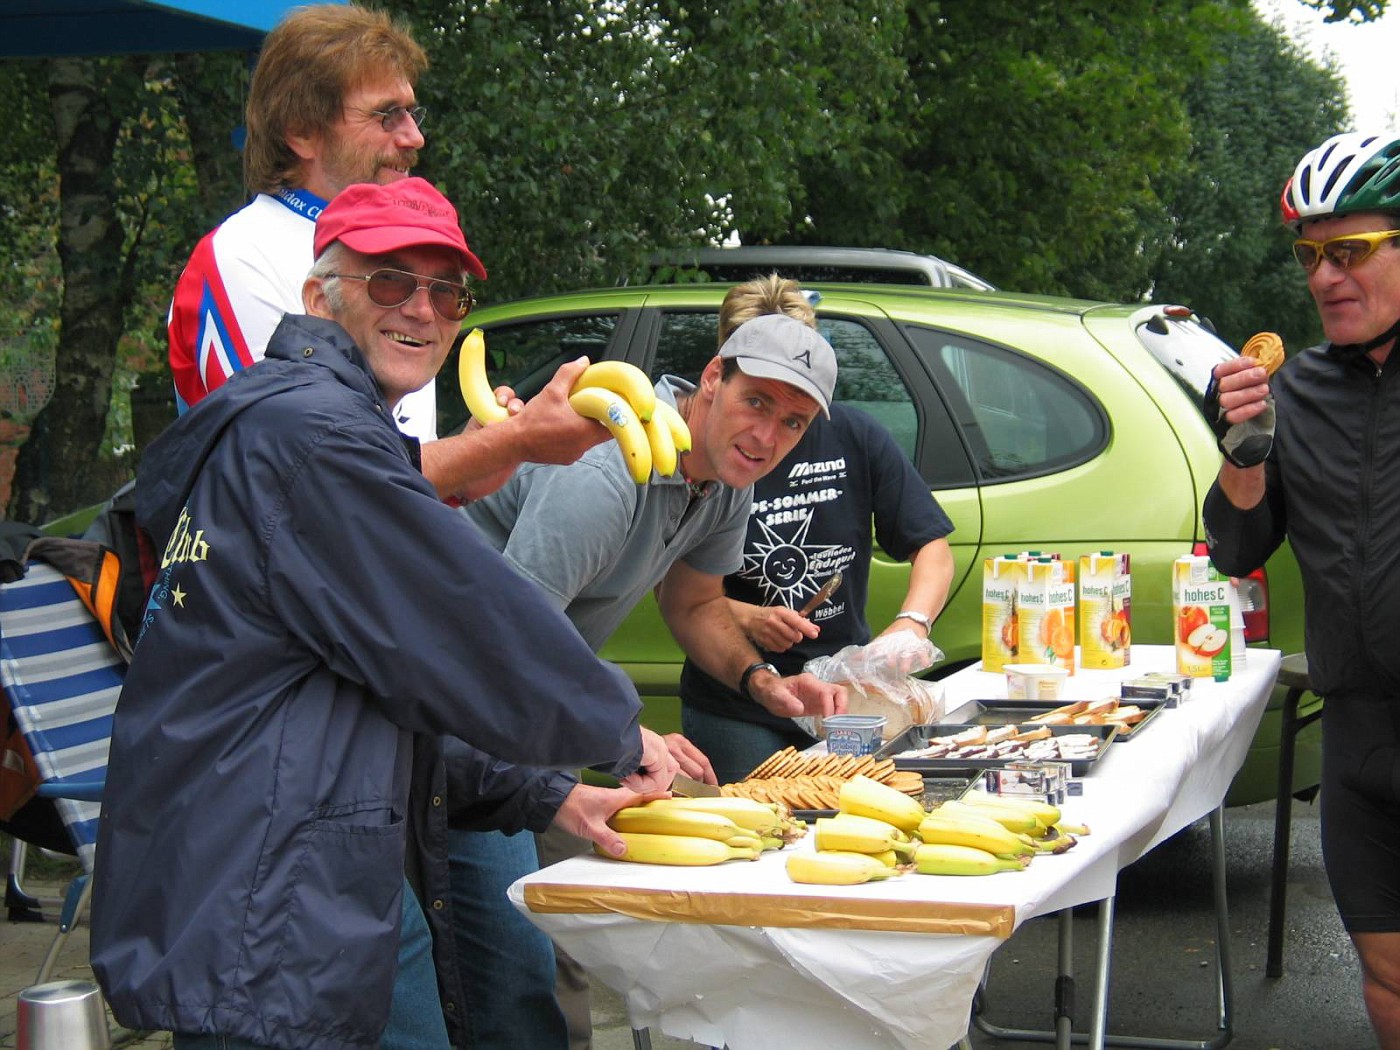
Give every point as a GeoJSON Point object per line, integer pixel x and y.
{"type": "Point", "coordinates": [391, 118]}
{"type": "Point", "coordinates": [1343, 252]}
{"type": "Point", "coordinates": [390, 288]}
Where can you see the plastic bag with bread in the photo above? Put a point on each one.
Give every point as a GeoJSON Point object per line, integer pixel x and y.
{"type": "Point", "coordinates": [880, 680]}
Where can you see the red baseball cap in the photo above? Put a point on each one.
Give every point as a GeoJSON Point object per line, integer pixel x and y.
{"type": "Point", "coordinates": [373, 219]}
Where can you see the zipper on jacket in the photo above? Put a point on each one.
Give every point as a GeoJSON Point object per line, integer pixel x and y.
{"type": "Point", "coordinates": [1363, 508]}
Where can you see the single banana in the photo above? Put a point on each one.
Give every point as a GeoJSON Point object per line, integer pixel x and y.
{"type": "Point", "coordinates": [1070, 829]}
{"type": "Point", "coordinates": [846, 831]}
{"type": "Point", "coordinates": [680, 433]}
{"type": "Point", "coordinates": [945, 859]}
{"type": "Point", "coordinates": [978, 832]}
{"type": "Point", "coordinates": [663, 446]}
{"type": "Point", "coordinates": [471, 374]}
{"type": "Point", "coordinates": [1018, 820]}
{"type": "Point", "coordinates": [677, 822]}
{"type": "Point", "coordinates": [835, 868]}
{"type": "Point", "coordinates": [684, 850]}
{"type": "Point", "coordinates": [626, 380]}
{"type": "Point", "coordinates": [613, 411]}
{"type": "Point", "coordinates": [748, 813]}
{"type": "Point", "coordinates": [889, 858]}
{"type": "Point", "coordinates": [1043, 811]}
{"type": "Point", "coordinates": [1054, 842]}
{"type": "Point", "coordinates": [866, 797]}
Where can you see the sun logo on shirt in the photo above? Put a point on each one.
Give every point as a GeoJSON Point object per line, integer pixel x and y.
{"type": "Point", "coordinates": [787, 568]}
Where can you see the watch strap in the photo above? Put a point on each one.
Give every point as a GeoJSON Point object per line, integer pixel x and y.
{"type": "Point", "coordinates": [761, 665]}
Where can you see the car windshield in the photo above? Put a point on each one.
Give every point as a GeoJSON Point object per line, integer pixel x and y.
{"type": "Point", "coordinates": [1182, 345]}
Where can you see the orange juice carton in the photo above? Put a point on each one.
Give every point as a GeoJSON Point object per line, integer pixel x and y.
{"type": "Point", "coordinates": [1201, 603]}
{"type": "Point", "coordinates": [1046, 609]}
{"type": "Point", "coordinates": [1105, 610]}
{"type": "Point", "coordinates": [1001, 629]}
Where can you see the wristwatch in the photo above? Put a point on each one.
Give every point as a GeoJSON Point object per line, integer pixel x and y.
{"type": "Point", "coordinates": [918, 617]}
{"type": "Point", "coordinates": [762, 665]}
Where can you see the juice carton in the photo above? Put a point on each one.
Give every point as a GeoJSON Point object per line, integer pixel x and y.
{"type": "Point", "coordinates": [1105, 610]}
{"type": "Point", "coordinates": [1001, 630]}
{"type": "Point", "coordinates": [1046, 608]}
{"type": "Point", "coordinates": [1201, 603]}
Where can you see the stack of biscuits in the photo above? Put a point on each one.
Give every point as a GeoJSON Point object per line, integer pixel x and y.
{"type": "Point", "coordinates": [802, 781]}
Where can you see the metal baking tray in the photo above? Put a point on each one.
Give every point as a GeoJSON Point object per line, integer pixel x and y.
{"type": "Point", "coordinates": [951, 783]}
{"type": "Point", "coordinates": [919, 736]}
{"type": "Point", "coordinates": [1002, 712]}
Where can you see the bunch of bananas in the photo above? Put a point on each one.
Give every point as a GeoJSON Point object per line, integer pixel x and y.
{"type": "Point", "coordinates": [650, 433]}
{"type": "Point", "coordinates": [869, 838]}
{"type": "Point", "coordinates": [701, 831]}
{"type": "Point", "coordinates": [980, 835]}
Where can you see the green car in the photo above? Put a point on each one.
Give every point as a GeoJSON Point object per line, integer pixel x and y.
{"type": "Point", "coordinates": [1039, 423]}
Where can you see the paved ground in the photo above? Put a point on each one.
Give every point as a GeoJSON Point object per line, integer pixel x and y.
{"type": "Point", "coordinates": [1163, 960]}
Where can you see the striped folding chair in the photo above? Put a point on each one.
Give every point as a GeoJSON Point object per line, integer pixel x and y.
{"type": "Point", "coordinates": [62, 668]}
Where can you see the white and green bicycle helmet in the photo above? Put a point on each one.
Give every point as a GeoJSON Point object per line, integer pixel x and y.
{"type": "Point", "coordinates": [1353, 172]}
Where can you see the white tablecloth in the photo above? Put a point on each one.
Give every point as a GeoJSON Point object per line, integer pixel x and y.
{"type": "Point", "coordinates": [756, 987]}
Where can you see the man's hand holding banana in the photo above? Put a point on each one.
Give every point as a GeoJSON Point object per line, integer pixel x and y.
{"type": "Point", "coordinates": [650, 433]}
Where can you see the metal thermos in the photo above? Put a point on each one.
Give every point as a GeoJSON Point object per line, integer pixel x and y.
{"type": "Point", "coordinates": [62, 1015]}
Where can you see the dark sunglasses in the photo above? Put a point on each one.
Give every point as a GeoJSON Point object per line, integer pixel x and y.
{"type": "Point", "coordinates": [1344, 252]}
{"type": "Point", "coordinates": [395, 287]}
{"type": "Point", "coordinates": [392, 117]}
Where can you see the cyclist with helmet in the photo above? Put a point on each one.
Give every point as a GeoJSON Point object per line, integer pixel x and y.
{"type": "Point", "coordinates": [1330, 483]}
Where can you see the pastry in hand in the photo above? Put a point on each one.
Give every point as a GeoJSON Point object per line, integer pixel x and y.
{"type": "Point", "coordinates": [1267, 349]}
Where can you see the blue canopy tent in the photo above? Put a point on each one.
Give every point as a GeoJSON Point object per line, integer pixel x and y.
{"type": "Point", "coordinates": [49, 28]}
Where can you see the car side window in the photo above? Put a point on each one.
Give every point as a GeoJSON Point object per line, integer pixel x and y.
{"type": "Point", "coordinates": [865, 377]}
{"type": "Point", "coordinates": [1020, 418]}
{"type": "Point", "coordinates": [524, 356]}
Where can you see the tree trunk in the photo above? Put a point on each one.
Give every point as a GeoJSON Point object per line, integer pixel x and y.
{"type": "Point", "coordinates": [57, 468]}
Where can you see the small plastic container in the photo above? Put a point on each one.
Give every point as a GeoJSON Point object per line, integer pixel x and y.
{"type": "Point", "coordinates": [1034, 681]}
{"type": "Point", "coordinates": [854, 734]}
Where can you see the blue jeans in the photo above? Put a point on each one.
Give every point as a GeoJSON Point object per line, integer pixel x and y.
{"type": "Point", "coordinates": [415, 1013]}
{"type": "Point", "coordinates": [506, 962]}
{"type": "Point", "coordinates": [735, 748]}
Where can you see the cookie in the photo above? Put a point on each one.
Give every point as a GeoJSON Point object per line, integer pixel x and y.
{"type": "Point", "coordinates": [1267, 349]}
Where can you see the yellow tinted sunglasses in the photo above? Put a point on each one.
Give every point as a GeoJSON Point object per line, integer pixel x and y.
{"type": "Point", "coordinates": [1342, 252]}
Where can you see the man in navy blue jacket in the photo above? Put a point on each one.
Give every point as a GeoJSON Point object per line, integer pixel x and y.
{"type": "Point", "coordinates": [320, 618]}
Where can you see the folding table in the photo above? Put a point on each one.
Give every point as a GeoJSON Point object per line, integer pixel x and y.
{"type": "Point", "coordinates": [737, 955]}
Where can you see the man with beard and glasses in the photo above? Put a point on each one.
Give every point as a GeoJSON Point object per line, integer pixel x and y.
{"type": "Point", "coordinates": [332, 104]}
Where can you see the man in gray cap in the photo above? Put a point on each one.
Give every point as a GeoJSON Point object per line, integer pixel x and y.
{"type": "Point", "coordinates": [597, 543]}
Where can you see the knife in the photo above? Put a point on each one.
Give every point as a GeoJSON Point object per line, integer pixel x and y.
{"type": "Point", "coordinates": [684, 785]}
{"type": "Point", "coordinates": [826, 591]}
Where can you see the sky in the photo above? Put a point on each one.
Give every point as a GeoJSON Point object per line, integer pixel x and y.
{"type": "Point", "coordinates": [1367, 55]}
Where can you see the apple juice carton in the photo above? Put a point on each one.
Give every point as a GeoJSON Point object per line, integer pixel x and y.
{"type": "Point", "coordinates": [1201, 603]}
{"type": "Point", "coordinates": [1046, 606]}
{"type": "Point", "coordinates": [1001, 631]}
{"type": "Point", "coordinates": [1105, 610]}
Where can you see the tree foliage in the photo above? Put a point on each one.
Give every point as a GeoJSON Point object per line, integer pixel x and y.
{"type": "Point", "coordinates": [1260, 104]}
{"type": "Point", "coordinates": [577, 137]}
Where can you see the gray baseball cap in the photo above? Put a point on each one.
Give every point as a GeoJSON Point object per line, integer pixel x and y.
{"type": "Point", "coordinates": [775, 346]}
